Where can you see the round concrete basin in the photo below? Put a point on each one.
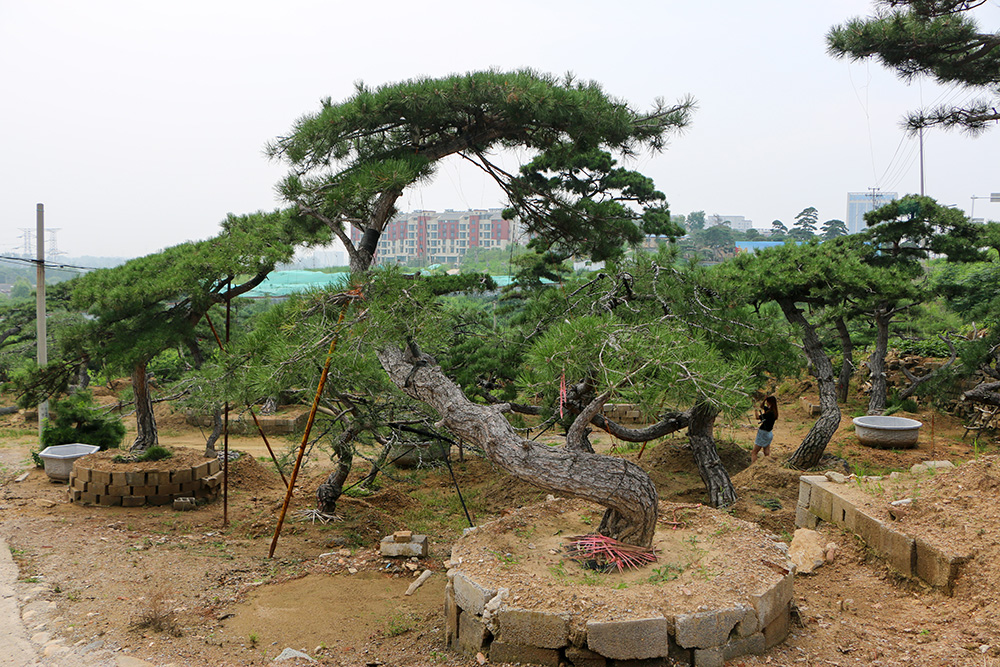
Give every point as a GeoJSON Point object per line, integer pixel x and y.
{"type": "Point", "coordinates": [887, 432]}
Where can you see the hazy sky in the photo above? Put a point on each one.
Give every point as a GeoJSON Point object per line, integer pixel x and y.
{"type": "Point", "coordinates": [139, 125]}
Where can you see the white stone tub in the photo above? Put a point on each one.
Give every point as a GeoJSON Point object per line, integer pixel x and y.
{"type": "Point", "coordinates": [887, 432]}
{"type": "Point", "coordinates": [58, 459]}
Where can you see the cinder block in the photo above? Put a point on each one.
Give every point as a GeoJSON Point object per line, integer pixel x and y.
{"type": "Point", "coordinates": [214, 466]}
{"type": "Point", "coordinates": [936, 567]}
{"type": "Point", "coordinates": [821, 500]}
{"type": "Point", "coordinates": [109, 501]}
{"type": "Point", "coordinates": [776, 631]}
{"type": "Point", "coordinates": [532, 628]}
{"type": "Point", "coordinates": [470, 596]}
{"type": "Point", "coordinates": [581, 657]}
{"type": "Point", "coordinates": [78, 484]}
{"type": "Point", "coordinates": [98, 489]}
{"type": "Point", "coordinates": [181, 476]}
{"type": "Point", "coordinates": [82, 474]}
{"type": "Point", "coordinates": [133, 501]}
{"type": "Point", "coordinates": [712, 628]}
{"type": "Point", "coordinates": [630, 640]}
{"type": "Point", "coordinates": [416, 547]}
{"type": "Point", "coordinates": [842, 513]}
{"type": "Point", "coordinates": [473, 636]}
{"type": "Point", "coordinates": [135, 478]}
{"type": "Point", "coordinates": [100, 477]}
{"type": "Point", "coordinates": [900, 551]}
{"type": "Point", "coordinates": [805, 488]}
{"type": "Point", "coordinates": [157, 478]}
{"type": "Point", "coordinates": [159, 500]}
{"type": "Point", "coordinates": [168, 489]}
{"type": "Point", "coordinates": [143, 490]}
{"type": "Point", "coordinates": [212, 481]}
{"type": "Point", "coordinates": [200, 470]}
{"type": "Point", "coordinates": [523, 654]}
{"type": "Point", "coordinates": [451, 612]}
{"type": "Point", "coordinates": [871, 531]}
{"type": "Point", "coordinates": [74, 495]}
{"type": "Point", "coordinates": [190, 487]}
{"type": "Point", "coordinates": [804, 518]}
{"type": "Point", "coordinates": [88, 497]}
{"type": "Point", "coordinates": [752, 645]}
{"type": "Point", "coordinates": [709, 657]}
{"type": "Point", "coordinates": [119, 490]}
{"type": "Point", "coordinates": [118, 479]}
{"type": "Point", "coordinates": [774, 600]}
{"type": "Point", "coordinates": [184, 504]}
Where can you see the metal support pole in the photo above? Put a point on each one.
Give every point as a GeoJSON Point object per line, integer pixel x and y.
{"type": "Point", "coordinates": [41, 332]}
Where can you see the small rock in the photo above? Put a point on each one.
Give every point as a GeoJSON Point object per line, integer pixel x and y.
{"type": "Point", "coordinates": [902, 503]}
{"type": "Point", "coordinates": [480, 658]}
{"type": "Point", "coordinates": [22, 476]}
{"type": "Point", "coordinates": [290, 653]}
{"type": "Point", "coordinates": [346, 553]}
{"type": "Point", "coordinates": [831, 552]}
{"type": "Point", "coordinates": [352, 570]}
{"type": "Point", "coordinates": [805, 551]}
{"type": "Point", "coordinates": [836, 477]}
{"type": "Point", "coordinates": [44, 502]}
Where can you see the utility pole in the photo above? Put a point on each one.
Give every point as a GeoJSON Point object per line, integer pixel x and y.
{"type": "Point", "coordinates": [921, 161]}
{"type": "Point", "coordinates": [40, 332]}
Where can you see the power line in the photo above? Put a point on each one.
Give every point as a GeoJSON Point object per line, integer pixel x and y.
{"type": "Point", "coordinates": [26, 260]}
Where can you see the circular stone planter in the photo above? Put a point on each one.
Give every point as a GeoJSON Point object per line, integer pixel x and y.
{"type": "Point", "coordinates": [97, 480]}
{"type": "Point", "coordinates": [887, 432]}
{"type": "Point", "coordinates": [721, 588]}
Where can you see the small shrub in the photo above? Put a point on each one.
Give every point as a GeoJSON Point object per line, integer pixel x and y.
{"type": "Point", "coordinates": [157, 615]}
{"type": "Point", "coordinates": [77, 419]}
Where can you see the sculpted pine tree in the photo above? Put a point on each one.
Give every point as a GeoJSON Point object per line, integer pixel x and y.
{"type": "Point", "coordinates": [153, 303]}
{"type": "Point", "coordinates": [933, 38]}
{"type": "Point", "coordinates": [351, 161]}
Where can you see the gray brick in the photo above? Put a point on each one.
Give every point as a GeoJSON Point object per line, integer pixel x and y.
{"type": "Point", "coordinates": [842, 513]}
{"type": "Point", "coordinates": [451, 612]}
{"type": "Point", "coordinates": [630, 640]}
{"type": "Point", "coordinates": [712, 628]}
{"type": "Point", "coordinates": [776, 631]}
{"type": "Point", "coordinates": [936, 567]}
{"type": "Point", "coordinates": [523, 654]}
{"type": "Point", "coordinates": [470, 596]}
{"type": "Point", "coordinates": [473, 636]}
{"type": "Point", "coordinates": [821, 500]}
{"type": "Point", "coordinates": [774, 600]}
{"type": "Point", "coordinates": [709, 657]}
{"type": "Point", "coordinates": [804, 518]}
{"type": "Point", "coordinates": [533, 628]}
{"type": "Point", "coordinates": [581, 657]}
{"type": "Point", "coordinates": [417, 546]}
{"type": "Point", "coordinates": [752, 645]}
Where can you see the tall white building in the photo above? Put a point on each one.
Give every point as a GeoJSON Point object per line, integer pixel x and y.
{"type": "Point", "coordinates": [735, 222]}
{"type": "Point", "coordinates": [859, 203]}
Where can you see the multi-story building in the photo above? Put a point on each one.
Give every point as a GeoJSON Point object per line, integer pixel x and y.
{"type": "Point", "coordinates": [442, 238]}
{"type": "Point", "coordinates": [738, 223]}
{"type": "Point", "coordinates": [859, 203]}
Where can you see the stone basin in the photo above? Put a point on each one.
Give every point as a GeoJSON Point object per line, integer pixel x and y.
{"type": "Point", "coordinates": [58, 459]}
{"type": "Point", "coordinates": [887, 432]}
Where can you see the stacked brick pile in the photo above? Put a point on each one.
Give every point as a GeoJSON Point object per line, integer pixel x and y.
{"type": "Point", "coordinates": [478, 621]}
{"type": "Point", "coordinates": [136, 488]}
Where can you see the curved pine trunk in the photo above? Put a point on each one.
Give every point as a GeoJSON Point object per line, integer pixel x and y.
{"type": "Point", "coordinates": [809, 452]}
{"type": "Point", "coordinates": [145, 422]}
{"type": "Point", "coordinates": [329, 492]}
{"type": "Point", "coordinates": [619, 485]}
{"type": "Point", "coordinates": [847, 367]}
{"type": "Point", "coordinates": [876, 363]}
{"type": "Point", "coordinates": [720, 488]}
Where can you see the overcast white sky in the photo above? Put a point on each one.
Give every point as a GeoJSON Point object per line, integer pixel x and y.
{"type": "Point", "coordinates": [139, 125]}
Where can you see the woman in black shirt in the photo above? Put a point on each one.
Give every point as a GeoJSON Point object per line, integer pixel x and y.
{"type": "Point", "coordinates": [767, 416]}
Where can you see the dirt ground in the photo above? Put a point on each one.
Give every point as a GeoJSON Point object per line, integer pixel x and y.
{"type": "Point", "coordinates": [198, 588]}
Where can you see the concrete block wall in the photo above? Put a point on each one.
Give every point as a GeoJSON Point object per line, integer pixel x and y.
{"type": "Point", "coordinates": [623, 413]}
{"type": "Point", "coordinates": [136, 488]}
{"type": "Point", "coordinates": [477, 619]}
{"type": "Point", "coordinates": [823, 500]}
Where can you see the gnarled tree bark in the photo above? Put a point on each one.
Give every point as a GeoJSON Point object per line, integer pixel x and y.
{"type": "Point", "coordinates": [811, 449]}
{"type": "Point", "coordinates": [145, 422]}
{"type": "Point", "coordinates": [619, 485]}
{"type": "Point", "coordinates": [720, 488]}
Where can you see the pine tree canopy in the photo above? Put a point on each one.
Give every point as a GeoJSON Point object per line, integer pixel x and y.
{"type": "Point", "coordinates": [935, 38]}
{"type": "Point", "coordinates": [350, 161]}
